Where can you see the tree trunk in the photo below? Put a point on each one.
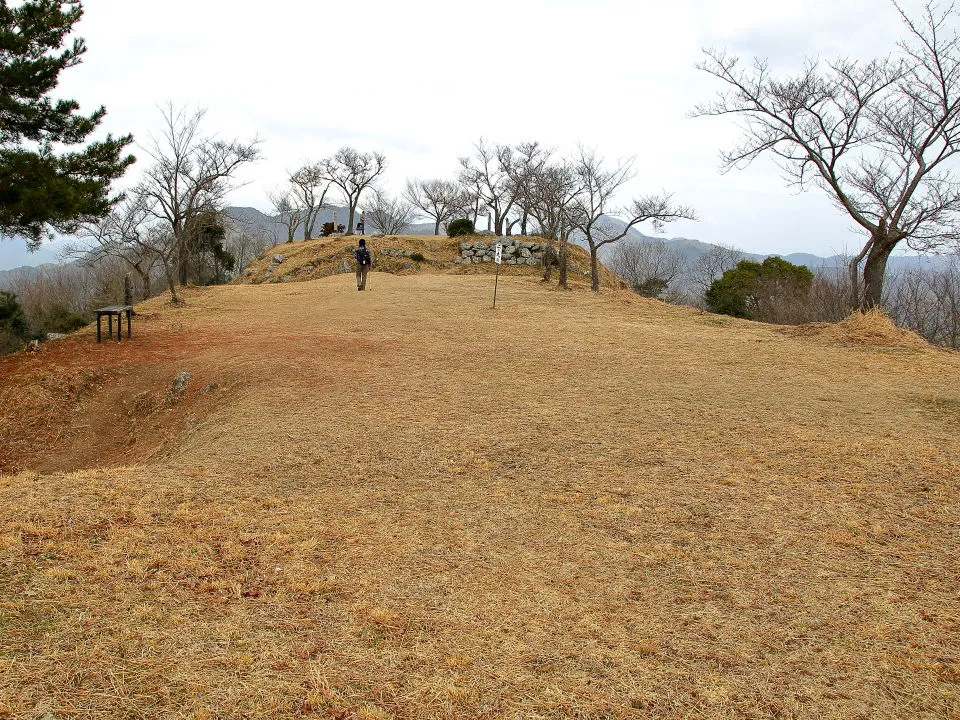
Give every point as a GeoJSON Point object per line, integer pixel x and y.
{"type": "Point", "coordinates": [562, 280]}
{"type": "Point", "coordinates": [854, 268]}
{"type": "Point", "coordinates": [170, 283]}
{"type": "Point", "coordinates": [145, 282]}
{"type": "Point", "coordinates": [548, 263]}
{"type": "Point", "coordinates": [523, 223]}
{"type": "Point", "coordinates": [353, 211]}
{"type": "Point", "coordinates": [436, 227]}
{"type": "Point", "coordinates": [875, 269]}
{"type": "Point", "coordinates": [594, 268]}
{"type": "Point", "coordinates": [183, 263]}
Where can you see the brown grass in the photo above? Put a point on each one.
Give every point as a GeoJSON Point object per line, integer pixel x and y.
{"type": "Point", "coordinates": [872, 328]}
{"type": "Point", "coordinates": [404, 504]}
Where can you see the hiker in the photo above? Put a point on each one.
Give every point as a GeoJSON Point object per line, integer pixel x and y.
{"type": "Point", "coordinates": [362, 225]}
{"type": "Point", "coordinates": [364, 261]}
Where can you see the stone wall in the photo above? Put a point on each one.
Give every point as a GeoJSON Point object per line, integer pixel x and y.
{"type": "Point", "coordinates": [514, 252]}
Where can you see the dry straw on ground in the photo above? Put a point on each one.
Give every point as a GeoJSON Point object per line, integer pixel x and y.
{"type": "Point", "coordinates": [403, 504]}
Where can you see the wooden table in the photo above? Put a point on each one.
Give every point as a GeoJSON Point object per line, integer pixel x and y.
{"type": "Point", "coordinates": [110, 311]}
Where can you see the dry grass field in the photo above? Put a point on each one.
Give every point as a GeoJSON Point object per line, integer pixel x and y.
{"type": "Point", "coordinates": [403, 504]}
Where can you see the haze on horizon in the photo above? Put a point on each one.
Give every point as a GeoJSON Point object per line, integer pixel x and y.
{"type": "Point", "coordinates": [422, 81]}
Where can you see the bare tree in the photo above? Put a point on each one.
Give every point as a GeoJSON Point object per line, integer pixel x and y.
{"type": "Point", "coordinates": [191, 175]}
{"type": "Point", "coordinates": [711, 265]}
{"type": "Point", "coordinates": [438, 199]}
{"type": "Point", "coordinates": [553, 190]}
{"type": "Point", "coordinates": [132, 227]}
{"type": "Point", "coordinates": [102, 246]}
{"type": "Point", "coordinates": [310, 186]}
{"type": "Point", "coordinates": [927, 301]}
{"type": "Point", "coordinates": [353, 172]}
{"type": "Point", "coordinates": [485, 170]}
{"type": "Point", "coordinates": [523, 165]}
{"type": "Point", "coordinates": [390, 217]}
{"type": "Point", "coordinates": [877, 137]}
{"type": "Point", "coordinates": [593, 208]}
{"type": "Point", "coordinates": [245, 239]}
{"type": "Point", "coordinates": [288, 212]}
{"type": "Point", "coordinates": [471, 198]}
{"type": "Point", "coordinates": [648, 266]}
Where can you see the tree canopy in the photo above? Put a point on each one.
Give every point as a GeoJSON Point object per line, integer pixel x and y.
{"type": "Point", "coordinates": [749, 289]}
{"type": "Point", "coordinates": [40, 186]}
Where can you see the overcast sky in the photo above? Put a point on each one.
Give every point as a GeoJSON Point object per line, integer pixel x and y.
{"type": "Point", "coordinates": [421, 81]}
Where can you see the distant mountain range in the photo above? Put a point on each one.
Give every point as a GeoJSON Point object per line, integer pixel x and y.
{"type": "Point", "coordinates": [251, 220]}
{"type": "Point", "coordinates": [693, 249]}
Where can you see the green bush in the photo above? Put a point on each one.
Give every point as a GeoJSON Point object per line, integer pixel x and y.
{"type": "Point", "coordinates": [61, 320]}
{"type": "Point", "coordinates": [460, 227]}
{"type": "Point", "coordinates": [651, 288]}
{"type": "Point", "coordinates": [417, 257]}
{"type": "Point", "coordinates": [760, 291]}
{"type": "Point", "coordinates": [13, 323]}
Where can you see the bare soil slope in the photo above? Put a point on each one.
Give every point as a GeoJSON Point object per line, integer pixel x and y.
{"type": "Point", "coordinates": [402, 504]}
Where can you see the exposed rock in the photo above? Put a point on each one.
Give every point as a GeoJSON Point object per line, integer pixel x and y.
{"type": "Point", "coordinates": [466, 245]}
{"type": "Point", "coordinates": [209, 388]}
{"type": "Point", "coordinates": [480, 246]}
{"type": "Point", "coordinates": [278, 259]}
{"type": "Point", "coordinates": [286, 278]}
{"type": "Point", "coordinates": [525, 253]}
{"type": "Point", "coordinates": [179, 386]}
{"type": "Point", "coordinates": [55, 336]}
{"type": "Point", "coordinates": [346, 266]}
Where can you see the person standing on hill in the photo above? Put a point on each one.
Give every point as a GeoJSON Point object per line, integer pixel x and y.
{"type": "Point", "coordinates": [364, 261]}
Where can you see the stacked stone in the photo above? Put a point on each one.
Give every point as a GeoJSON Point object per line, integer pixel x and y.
{"type": "Point", "coordinates": [514, 252]}
{"type": "Point", "coordinates": [275, 261]}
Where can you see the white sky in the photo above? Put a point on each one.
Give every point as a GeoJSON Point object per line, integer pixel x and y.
{"type": "Point", "coordinates": [422, 80]}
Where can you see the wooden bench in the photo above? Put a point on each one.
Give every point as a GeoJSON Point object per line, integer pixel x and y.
{"type": "Point", "coordinates": [110, 311]}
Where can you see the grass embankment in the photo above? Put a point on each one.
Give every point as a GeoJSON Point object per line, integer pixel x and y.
{"type": "Point", "coordinates": [401, 503]}
{"type": "Point", "coordinates": [322, 257]}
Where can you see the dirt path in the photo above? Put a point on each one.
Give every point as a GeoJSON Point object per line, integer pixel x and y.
{"type": "Point", "coordinates": [402, 504]}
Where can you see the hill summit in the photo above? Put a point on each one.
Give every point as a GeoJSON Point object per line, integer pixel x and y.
{"type": "Point", "coordinates": [412, 254]}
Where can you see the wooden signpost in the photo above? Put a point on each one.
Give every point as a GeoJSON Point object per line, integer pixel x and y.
{"type": "Point", "coordinates": [497, 259]}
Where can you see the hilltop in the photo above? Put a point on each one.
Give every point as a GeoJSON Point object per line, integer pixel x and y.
{"type": "Point", "coordinates": [404, 504]}
{"type": "Point", "coordinates": [405, 255]}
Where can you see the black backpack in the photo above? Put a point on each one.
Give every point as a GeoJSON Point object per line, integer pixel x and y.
{"type": "Point", "coordinates": [362, 255]}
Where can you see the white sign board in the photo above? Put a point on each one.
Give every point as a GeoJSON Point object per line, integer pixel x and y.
{"type": "Point", "coordinates": [499, 253]}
